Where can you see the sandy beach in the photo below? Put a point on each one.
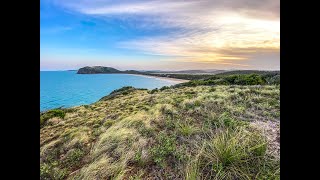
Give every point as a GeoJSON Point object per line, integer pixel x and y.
{"type": "Point", "coordinates": [165, 78]}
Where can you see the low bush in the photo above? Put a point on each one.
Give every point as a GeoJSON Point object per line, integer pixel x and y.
{"type": "Point", "coordinates": [122, 91]}
{"type": "Point", "coordinates": [164, 88]}
{"type": "Point", "coordinates": [166, 146]}
{"type": "Point", "coordinates": [108, 123]}
{"type": "Point", "coordinates": [50, 114]}
{"type": "Point", "coordinates": [153, 91]}
{"type": "Point", "coordinates": [73, 157]}
{"type": "Point", "coordinates": [50, 171]}
{"type": "Point", "coordinates": [234, 79]}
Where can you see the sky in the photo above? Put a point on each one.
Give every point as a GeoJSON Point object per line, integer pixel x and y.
{"type": "Point", "coordinates": [160, 34]}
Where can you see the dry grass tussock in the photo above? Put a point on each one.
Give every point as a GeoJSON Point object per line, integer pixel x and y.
{"type": "Point", "coordinates": [202, 132]}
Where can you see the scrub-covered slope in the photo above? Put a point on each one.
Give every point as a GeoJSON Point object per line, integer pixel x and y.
{"type": "Point", "coordinates": [200, 132]}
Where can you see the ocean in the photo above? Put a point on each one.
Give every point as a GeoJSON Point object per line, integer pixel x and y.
{"type": "Point", "coordinates": [67, 89]}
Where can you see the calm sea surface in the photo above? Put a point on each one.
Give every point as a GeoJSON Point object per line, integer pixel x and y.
{"type": "Point", "coordinates": [66, 88]}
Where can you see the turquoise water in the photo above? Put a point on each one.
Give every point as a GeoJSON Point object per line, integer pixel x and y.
{"type": "Point", "coordinates": [66, 88]}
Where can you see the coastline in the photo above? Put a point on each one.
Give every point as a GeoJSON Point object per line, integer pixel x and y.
{"type": "Point", "coordinates": [164, 78]}
{"type": "Point", "coordinates": [147, 76]}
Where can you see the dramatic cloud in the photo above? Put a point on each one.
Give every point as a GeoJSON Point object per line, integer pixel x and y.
{"type": "Point", "coordinates": [229, 32]}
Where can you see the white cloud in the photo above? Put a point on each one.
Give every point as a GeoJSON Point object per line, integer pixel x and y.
{"type": "Point", "coordinates": [208, 30]}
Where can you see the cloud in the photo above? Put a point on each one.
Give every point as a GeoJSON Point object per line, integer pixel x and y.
{"type": "Point", "coordinates": [231, 41]}
{"type": "Point", "coordinates": [271, 8]}
{"type": "Point", "coordinates": [213, 31]}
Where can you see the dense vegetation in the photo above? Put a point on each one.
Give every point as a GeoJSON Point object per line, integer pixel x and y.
{"type": "Point", "coordinates": [250, 72]}
{"type": "Point", "coordinates": [51, 114]}
{"type": "Point", "coordinates": [204, 129]}
{"type": "Point", "coordinates": [122, 91]}
{"type": "Point", "coordinates": [263, 74]}
{"type": "Point", "coordinates": [182, 76]}
{"type": "Point", "coordinates": [236, 79]}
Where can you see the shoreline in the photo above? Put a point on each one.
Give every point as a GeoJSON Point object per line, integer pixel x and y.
{"type": "Point", "coordinates": [148, 76]}
{"type": "Point", "coordinates": [164, 78]}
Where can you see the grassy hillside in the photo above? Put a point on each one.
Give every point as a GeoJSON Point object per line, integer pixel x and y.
{"type": "Point", "coordinates": [185, 132]}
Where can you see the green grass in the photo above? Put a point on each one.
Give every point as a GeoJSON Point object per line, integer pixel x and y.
{"type": "Point", "coordinates": [234, 79]}
{"type": "Point", "coordinates": [188, 132]}
{"type": "Point", "coordinates": [187, 129]}
{"type": "Point", "coordinates": [236, 153]}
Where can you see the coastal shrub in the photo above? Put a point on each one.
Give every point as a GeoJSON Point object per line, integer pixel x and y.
{"type": "Point", "coordinates": [68, 110]}
{"type": "Point", "coordinates": [124, 90]}
{"type": "Point", "coordinates": [273, 79]}
{"type": "Point", "coordinates": [88, 107]}
{"type": "Point", "coordinates": [108, 123]}
{"type": "Point", "coordinates": [164, 147]}
{"type": "Point", "coordinates": [220, 78]}
{"type": "Point", "coordinates": [51, 171]}
{"type": "Point", "coordinates": [233, 79]}
{"type": "Point", "coordinates": [246, 79]}
{"type": "Point", "coordinates": [96, 132]}
{"type": "Point", "coordinates": [213, 89]}
{"type": "Point", "coordinates": [96, 125]}
{"type": "Point", "coordinates": [164, 88]}
{"type": "Point", "coordinates": [50, 114]}
{"type": "Point", "coordinates": [73, 157]}
{"type": "Point", "coordinates": [45, 171]}
{"type": "Point", "coordinates": [153, 91]}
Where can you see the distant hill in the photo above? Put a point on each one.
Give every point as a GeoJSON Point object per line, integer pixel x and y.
{"type": "Point", "coordinates": [217, 74]}
{"type": "Point", "coordinates": [249, 72]}
{"type": "Point", "coordinates": [107, 70]}
{"type": "Point", "coordinates": [209, 71]}
{"type": "Point", "coordinates": [97, 70]}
